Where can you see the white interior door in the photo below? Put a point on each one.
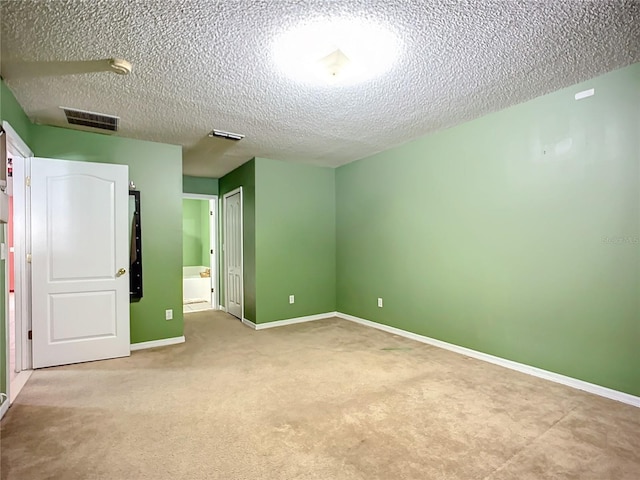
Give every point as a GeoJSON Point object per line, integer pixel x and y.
{"type": "Point", "coordinates": [80, 260]}
{"type": "Point", "coordinates": [233, 252]}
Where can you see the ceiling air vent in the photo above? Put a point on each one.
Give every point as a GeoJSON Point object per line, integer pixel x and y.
{"type": "Point", "coordinates": [91, 119]}
{"type": "Point", "coordinates": [227, 135]}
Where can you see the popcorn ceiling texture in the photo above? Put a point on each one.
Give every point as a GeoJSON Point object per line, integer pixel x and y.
{"type": "Point", "coordinates": [199, 65]}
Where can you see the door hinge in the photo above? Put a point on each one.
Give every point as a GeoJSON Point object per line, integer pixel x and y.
{"type": "Point", "coordinates": [211, 251]}
{"type": "Point", "coordinates": [30, 335]}
{"type": "Point", "coordinates": [211, 212]}
{"type": "Point", "coordinates": [212, 290]}
{"type": "Point", "coordinates": [28, 258]}
{"type": "Point", "coordinates": [27, 181]}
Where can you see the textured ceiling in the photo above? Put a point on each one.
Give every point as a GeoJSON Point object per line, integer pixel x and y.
{"type": "Point", "coordinates": [199, 65]}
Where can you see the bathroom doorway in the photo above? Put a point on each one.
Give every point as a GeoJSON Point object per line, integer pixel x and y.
{"type": "Point", "coordinates": [199, 252]}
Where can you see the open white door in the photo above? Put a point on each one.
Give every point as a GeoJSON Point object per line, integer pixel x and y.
{"type": "Point", "coordinates": [80, 261]}
{"type": "Point", "coordinates": [233, 252]}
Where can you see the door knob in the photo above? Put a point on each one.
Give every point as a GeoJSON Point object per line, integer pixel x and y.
{"type": "Point", "coordinates": [121, 272]}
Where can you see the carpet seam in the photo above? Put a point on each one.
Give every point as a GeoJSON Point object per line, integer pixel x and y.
{"type": "Point", "coordinates": [529, 444]}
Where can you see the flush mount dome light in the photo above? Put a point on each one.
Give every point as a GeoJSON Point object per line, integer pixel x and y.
{"type": "Point", "coordinates": [343, 51]}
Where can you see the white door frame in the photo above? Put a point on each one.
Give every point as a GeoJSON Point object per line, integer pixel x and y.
{"type": "Point", "coordinates": [224, 274]}
{"type": "Point", "coordinates": [213, 242]}
{"type": "Point", "coordinates": [6, 401]}
{"type": "Point", "coordinates": [22, 270]}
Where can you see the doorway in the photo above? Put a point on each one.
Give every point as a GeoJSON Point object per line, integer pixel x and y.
{"type": "Point", "coordinates": [199, 252]}
{"type": "Point", "coordinates": [17, 269]}
{"type": "Point", "coordinates": [233, 256]}
{"type": "Point", "coordinates": [21, 185]}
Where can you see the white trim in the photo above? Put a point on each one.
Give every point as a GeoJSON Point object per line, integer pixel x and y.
{"type": "Point", "coordinates": [224, 251]}
{"type": "Point", "coordinates": [288, 321]}
{"type": "Point", "coordinates": [19, 381]}
{"type": "Point", "coordinates": [157, 343]}
{"type": "Point", "coordinates": [213, 247]}
{"type": "Point", "coordinates": [16, 141]}
{"type": "Point", "coordinates": [222, 308]}
{"type": "Point", "coordinates": [22, 272]}
{"type": "Point", "coordinates": [291, 321]}
{"type": "Point", "coordinates": [249, 323]}
{"type": "Point", "coordinates": [22, 269]}
{"type": "Point", "coordinates": [213, 241]}
{"type": "Point", "coordinates": [7, 341]}
{"type": "Point", "coordinates": [199, 196]}
{"type": "Point", "coordinates": [4, 407]}
{"type": "Point", "coordinates": [519, 367]}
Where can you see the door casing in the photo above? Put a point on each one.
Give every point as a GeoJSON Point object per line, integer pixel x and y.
{"type": "Point", "coordinates": [213, 243]}
{"type": "Point", "coordinates": [22, 271]}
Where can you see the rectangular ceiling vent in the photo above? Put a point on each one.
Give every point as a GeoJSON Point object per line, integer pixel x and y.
{"type": "Point", "coordinates": [91, 119]}
{"type": "Point", "coordinates": [227, 135]}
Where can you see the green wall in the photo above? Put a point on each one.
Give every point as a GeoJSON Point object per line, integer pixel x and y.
{"type": "Point", "coordinates": [295, 240]}
{"type": "Point", "coordinates": [245, 177]}
{"type": "Point", "coordinates": [156, 170]}
{"type": "Point", "coordinates": [195, 233]}
{"type": "Point", "coordinates": [289, 238]}
{"type": "Point", "coordinates": [517, 234]}
{"type": "Point", "coordinates": [200, 185]}
{"type": "Point", "coordinates": [11, 111]}
{"type": "Point", "coordinates": [205, 233]}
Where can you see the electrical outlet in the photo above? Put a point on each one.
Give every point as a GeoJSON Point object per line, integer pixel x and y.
{"type": "Point", "coordinates": [379, 302]}
{"type": "Point", "coordinates": [292, 299]}
{"type": "Point", "coordinates": [168, 314]}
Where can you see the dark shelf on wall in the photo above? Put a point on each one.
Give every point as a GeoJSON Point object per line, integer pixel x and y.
{"type": "Point", "coordinates": [135, 269]}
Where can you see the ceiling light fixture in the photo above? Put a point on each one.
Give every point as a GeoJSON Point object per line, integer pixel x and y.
{"type": "Point", "coordinates": [335, 63]}
{"type": "Point", "coordinates": [342, 51]}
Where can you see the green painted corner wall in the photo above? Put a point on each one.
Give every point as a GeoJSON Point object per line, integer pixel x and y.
{"type": "Point", "coordinates": [12, 112]}
{"type": "Point", "coordinates": [245, 177]}
{"type": "Point", "coordinates": [195, 233]}
{"type": "Point", "coordinates": [517, 234]}
{"type": "Point", "coordinates": [156, 170]}
{"type": "Point", "coordinates": [295, 240]}
{"type": "Point", "coordinates": [200, 185]}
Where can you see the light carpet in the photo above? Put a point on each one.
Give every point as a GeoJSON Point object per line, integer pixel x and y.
{"type": "Point", "coordinates": [324, 400]}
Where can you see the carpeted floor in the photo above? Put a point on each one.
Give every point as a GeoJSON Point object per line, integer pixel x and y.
{"type": "Point", "coordinates": [322, 400]}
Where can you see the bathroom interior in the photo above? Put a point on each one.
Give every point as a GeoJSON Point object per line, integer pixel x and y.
{"type": "Point", "coordinates": [197, 252]}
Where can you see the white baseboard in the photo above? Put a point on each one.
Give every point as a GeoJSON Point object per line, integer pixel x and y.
{"type": "Point", "coordinates": [157, 343]}
{"type": "Point", "coordinates": [291, 321]}
{"type": "Point", "coordinates": [222, 307]}
{"type": "Point", "coordinates": [520, 367]}
{"type": "Point", "coordinates": [4, 407]}
{"type": "Point", "coordinates": [249, 323]}
{"type": "Point", "coordinates": [288, 321]}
